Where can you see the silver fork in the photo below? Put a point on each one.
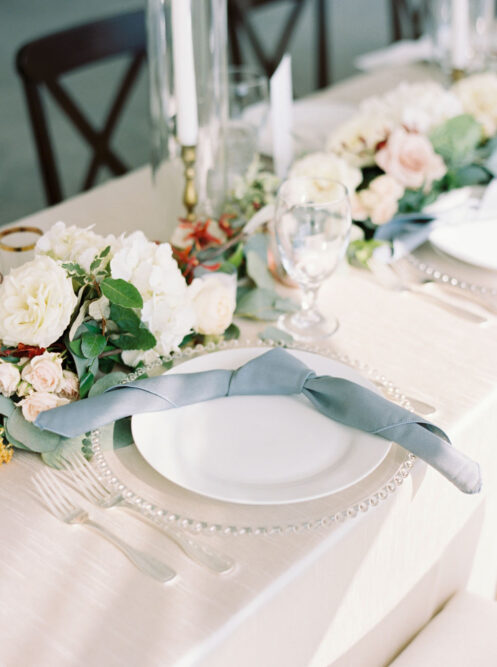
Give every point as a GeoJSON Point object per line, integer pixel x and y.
{"type": "Point", "coordinates": [59, 501]}
{"type": "Point", "coordinates": [86, 481]}
{"type": "Point", "coordinates": [388, 277]}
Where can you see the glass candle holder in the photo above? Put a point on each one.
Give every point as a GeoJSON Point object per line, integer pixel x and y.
{"type": "Point", "coordinates": [187, 51]}
{"type": "Point", "coordinates": [17, 246]}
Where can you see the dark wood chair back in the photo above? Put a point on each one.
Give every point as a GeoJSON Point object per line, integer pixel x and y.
{"type": "Point", "coordinates": [42, 62]}
{"type": "Point", "coordinates": [408, 18]}
{"type": "Point", "coordinates": [239, 23]}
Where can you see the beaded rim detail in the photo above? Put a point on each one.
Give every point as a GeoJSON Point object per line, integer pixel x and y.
{"type": "Point", "coordinates": [194, 525]}
{"type": "Point", "coordinates": [446, 278]}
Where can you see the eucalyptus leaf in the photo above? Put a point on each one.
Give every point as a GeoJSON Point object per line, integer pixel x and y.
{"type": "Point", "coordinates": [141, 339]}
{"type": "Point", "coordinates": [92, 344]}
{"type": "Point", "coordinates": [274, 335]}
{"type": "Point", "coordinates": [105, 382]}
{"type": "Point", "coordinates": [10, 438]}
{"type": "Point", "coordinates": [262, 304]}
{"type": "Point", "coordinates": [125, 318]}
{"type": "Point", "coordinates": [7, 406]}
{"type": "Point", "coordinates": [456, 140]}
{"type": "Point", "coordinates": [122, 436]}
{"type": "Point", "coordinates": [29, 435]}
{"type": "Point", "coordinates": [258, 271]}
{"type": "Point", "coordinates": [121, 292]}
{"type": "Point", "coordinates": [257, 243]}
{"type": "Point", "coordinates": [232, 332]}
{"type": "Point", "coordinates": [360, 252]}
{"type": "Point", "coordinates": [85, 384]}
{"type": "Point", "coordinates": [237, 257]}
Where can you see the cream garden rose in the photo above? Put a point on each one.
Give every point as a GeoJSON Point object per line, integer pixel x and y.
{"type": "Point", "coordinates": [44, 372]}
{"type": "Point", "coordinates": [36, 303]}
{"type": "Point", "coordinates": [379, 201]}
{"type": "Point", "coordinates": [214, 300]}
{"type": "Point", "coordinates": [10, 378]}
{"type": "Point", "coordinates": [327, 166]}
{"type": "Point", "coordinates": [478, 96]}
{"type": "Point", "coordinates": [69, 386]}
{"type": "Point", "coordinates": [409, 158]}
{"type": "Point", "coordinates": [39, 401]}
{"type": "Point", "coordinates": [73, 244]}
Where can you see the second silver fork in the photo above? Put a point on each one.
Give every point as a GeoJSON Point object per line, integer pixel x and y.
{"type": "Point", "coordinates": [86, 481]}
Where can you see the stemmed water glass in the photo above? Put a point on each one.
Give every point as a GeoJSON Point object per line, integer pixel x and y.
{"type": "Point", "coordinates": [312, 227]}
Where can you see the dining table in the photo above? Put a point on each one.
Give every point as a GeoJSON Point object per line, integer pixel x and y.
{"type": "Point", "coordinates": [350, 591]}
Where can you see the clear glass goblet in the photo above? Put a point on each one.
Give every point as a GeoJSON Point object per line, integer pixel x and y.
{"type": "Point", "coordinates": [312, 228]}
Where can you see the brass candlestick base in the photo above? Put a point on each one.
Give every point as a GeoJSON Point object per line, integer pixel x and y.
{"type": "Point", "coordinates": [457, 74]}
{"type": "Point", "coordinates": [188, 154]}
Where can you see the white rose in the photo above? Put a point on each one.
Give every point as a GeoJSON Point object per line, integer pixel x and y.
{"type": "Point", "coordinates": [9, 378]}
{"type": "Point", "coordinates": [166, 310]}
{"type": "Point", "coordinates": [327, 166]}
{"type": "Point", "coordinates": [214, 300]}
{"type": "Point", "coordinates": [39, 401]}
{"type": "Point", "coordinates": [44, 373]}
{"type": "Point", "coordinates": [69, 386]}
{"type": "Point", "coordinates": [73, 244]}
{"type": "Point", "coordinates": [133, 357]}
{"type": "Point", "coordinates": [36, 303]}
{"type": "Point", "coordinates": [478, 96]}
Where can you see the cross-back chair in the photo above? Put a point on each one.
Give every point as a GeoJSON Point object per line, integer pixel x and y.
{"type": "Point", "coordinates": [41, 64]}
{"type": "Point", "coordinates": [240, 22]}
{"type": "Point", "coordinates": [408, 18]}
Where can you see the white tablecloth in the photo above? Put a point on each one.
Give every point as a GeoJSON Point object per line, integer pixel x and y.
{"type": "Point", "coordinates": [349, 595]}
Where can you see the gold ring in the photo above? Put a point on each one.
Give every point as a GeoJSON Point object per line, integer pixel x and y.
{"type": "Point", "coordinates": [16, 230]}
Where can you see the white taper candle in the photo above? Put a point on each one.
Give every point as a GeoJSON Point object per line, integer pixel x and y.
{"type": "Point", "coordinates": [184, 73]}
{"type": "Point", "coordinates": [460, 34]}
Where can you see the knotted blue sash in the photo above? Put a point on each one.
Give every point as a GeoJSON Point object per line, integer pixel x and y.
{"type": "Point", "coordinates": [275, 372]}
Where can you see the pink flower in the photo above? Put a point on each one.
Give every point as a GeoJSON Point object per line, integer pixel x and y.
{"type": "Point", "coordinates": [44, 372]}
{"type": "Point", "coordinates": [410, 159]}
{"type": "Point", "coordinates": [39, 401]}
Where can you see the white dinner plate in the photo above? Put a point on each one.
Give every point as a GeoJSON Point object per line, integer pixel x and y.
{"type": "Point", "coordinates": [257, 449]}
{"type": "Point", "coordinates": [473, 242]}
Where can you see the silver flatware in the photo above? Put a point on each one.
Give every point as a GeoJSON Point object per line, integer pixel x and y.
{"type": "Point", "coordinates": [388, 277]}
{"type": "Point", "coordinates": [59, 500]}
{"type": "Point", "coordinates": [87, 483]}
{"type": "Point", "coordinates": [447, 285]}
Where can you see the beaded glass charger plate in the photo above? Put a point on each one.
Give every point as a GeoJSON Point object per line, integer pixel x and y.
{"type": "Point", "coordinates": [363, 486]}
{"type": "Point", "coordinates": [258, 449]}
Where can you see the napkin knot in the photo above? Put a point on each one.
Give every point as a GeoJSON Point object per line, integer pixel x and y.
{"type": "Point", "coordinates": [285, 375]}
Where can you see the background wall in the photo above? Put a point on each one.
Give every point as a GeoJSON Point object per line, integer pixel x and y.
{"type": "Point", "coordinates": [354, 27]}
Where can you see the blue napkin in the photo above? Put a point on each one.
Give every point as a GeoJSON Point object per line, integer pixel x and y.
{"type": "Point", "coordinates": [275, 372]}
{"type": "Point", "coordinates": [405, 232]}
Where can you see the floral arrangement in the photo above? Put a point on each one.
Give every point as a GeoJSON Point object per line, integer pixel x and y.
{"type": "Point", "coordinates": [88, 308]}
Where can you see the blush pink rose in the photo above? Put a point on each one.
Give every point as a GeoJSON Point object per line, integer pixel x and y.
{"type": "Point", "coordinates": [39, 401]}
{"type": "Point", "coordinates": [410, 159]}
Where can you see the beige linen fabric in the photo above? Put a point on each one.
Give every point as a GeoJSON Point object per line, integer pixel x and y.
{"type": "Point", "coordinates": [462, 634]}
{"type": "Point", "coordinates": [68, 598]}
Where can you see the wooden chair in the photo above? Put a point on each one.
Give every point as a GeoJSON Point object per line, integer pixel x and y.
{"type": "Point", "coordinates": [239, 23]}
{"type": "Point", "coordinates": [42, 62]}
{"type": "Point", "coordinates": [408, 18]}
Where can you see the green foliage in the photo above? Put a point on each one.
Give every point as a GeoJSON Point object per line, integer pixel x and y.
{"type": "Point", "coordinates": [92, 344]}
{"type": "Point", "coordinates": [457, 139]}
{"type": "Point", "coordinates": [274, 335]}
{"type": "Point", "coordinates": [7, 406]}
{"type": "Point", "coordinates": [141, 339]}
{"type": "Point", "coordinates": [232, 332]}
{"type": "Point", "coordinates": [257, 270]}
{"type": "Point", "coordinates": [263, 304]}
{"type": "Point", "coordinates": [29, 435]}
{"type": "Point", "coordinates": [360, 252]}
{"type": "Point", "coordinates": [121, 435]}
{"type": "Point", "coordinates": [121, 293]}
{"type": "Point", "coordinates": [105, 382]}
